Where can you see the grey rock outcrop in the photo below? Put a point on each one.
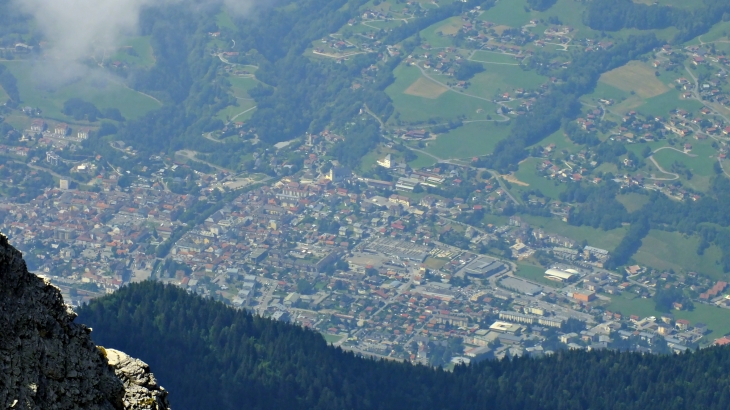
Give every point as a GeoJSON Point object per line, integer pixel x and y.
{"type": "Point", "coordinates": [141, 390]}
{"type": "Point", "coordinates": [49, 362]}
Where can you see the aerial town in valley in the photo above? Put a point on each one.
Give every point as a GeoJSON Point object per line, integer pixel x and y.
{"type": "Point", "coordinates": [418, 254]}
{"type": "Point", "coordinates": [380, 267]}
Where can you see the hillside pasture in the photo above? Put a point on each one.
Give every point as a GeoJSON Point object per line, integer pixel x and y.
{"type": "Point", "coordinates": [503, 78]}
{"type": "Point", "coordinates": [599, 238]}
{"type": "Point", "coordinates": [716, 319]}
{"type": "Point", "coordinates": [447, 106]}
{"type": "Point", "coordinates": [491, 57]}
{"type": "Point", "coordinates": [135, 51]}
{"type": "Point", "coordinates": [673, 250]}
{"type": "Point", "coordinates": [102, 90]}
{"type": "Point", "coordinates": [635, 76]}
{"type": "Point", "coordinates": [425, 88]}
{"type": "Point", "coordinates": [469, 140]}
{"type": "Point", "coordinates": [450, 26]}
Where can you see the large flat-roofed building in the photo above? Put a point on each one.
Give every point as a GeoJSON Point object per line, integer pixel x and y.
{"type": "Point", "coordinates": [484, 266]}
{"type": "Point", "coordinates": [521, 286]}
{"type": "Point", "coordinates": [504, 327]}
{"type": "Point", "coordinates": [517, 317]}
{"type": "Point", "coordinates": [559, 275]}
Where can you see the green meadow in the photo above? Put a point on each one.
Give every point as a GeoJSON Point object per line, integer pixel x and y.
{"type": "Point", "coordinates": [104, 92]}
{"type": "Point", "coordinates": [673, 250]}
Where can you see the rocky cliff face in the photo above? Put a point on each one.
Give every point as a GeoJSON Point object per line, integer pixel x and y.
{"type": "Point", "coordinates": [49, 362]}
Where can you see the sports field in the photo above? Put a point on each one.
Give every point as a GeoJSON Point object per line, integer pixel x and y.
{"type": "Point", "coordinates": [635, 76]}
{"type": "Point", "coordinates": [672, 250]}
{"type": "Point", "coordinates": [534, 273]}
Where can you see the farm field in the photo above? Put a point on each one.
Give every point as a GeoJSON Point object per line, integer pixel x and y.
{"type": "Point", "coordinates": [503, 78]}
{"type": "Point", "coordinates": [662, 105]}
{"type": "Point", "coordinates": [487, 57]}
{"type": "Point", "coordinates": [635, 76]}
{"type": "Point", "coordinates": [3, 95]}
{"type": "Point", "coordinates": [672, 250]}
{"type": "Point", "coordinates": [104, 92]}
{"type": "Point", "coordinates": [436, 105]}
{"type": "Point", "coordinates": [437, 35]}
{"type": "Point", "coordinates": [599, 238]}
{"type": "Point", "coordinates": [716, 319]}
{"type": "Point", "coordinates": [469, 140]}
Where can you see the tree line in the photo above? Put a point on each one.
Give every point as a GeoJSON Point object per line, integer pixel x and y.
{"type": "Point", "coordinates": [209, 355]}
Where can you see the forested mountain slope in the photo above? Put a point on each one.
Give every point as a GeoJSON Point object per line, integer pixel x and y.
{"type": "Point", "coordinates": [212, 356]}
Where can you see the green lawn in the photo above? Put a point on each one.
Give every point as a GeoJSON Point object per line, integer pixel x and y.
{"type": "Point", "coordinates": [595, 237]}
{"type": "Point", "coordinates": [503, 78]}
{"type": "Point", "coordinates": [534, 273]}
{"type": "Point", "coordinates": [661, 105]}
{"type": "Point", "coordinates": [241, 85]}
{"type": "Point", "coordinates": [716, 319]}
{"type": "Point", "coordinates": [633, 201]}
{"type": "Point", "coordinates": [3, 96]}
{"type": "Point", "coordinates": [449, 105]}
{"type": "Point", "coordinates": [422, 161]}
{"type": "Point", "coordinates": [717, 32]}
{"type": "Point", "coordinates": [528, 174]}
{"type": "Point", "coordinates": [231, 111]}
{"type": "Point", "coordinates": [702, 164]}
{"type": "Point", "coordinates": [493, 57]}
{"type": "Point", "coordinates": [672, 250]}
{"type": "Point", "coordinates": [101, 92]}
{"type": "Point", "coordinates": [561, 142]}
{"type": "Point", "coordinates": [509, 13]}
{"type": "Point", "coordinates": [142, 54]}
{"type": "Point", "coordinates": [469, 140]}
{"type": "Point", "coordinates": [434, 35]}
{"type": "Point", "coordinates": [604, 90]}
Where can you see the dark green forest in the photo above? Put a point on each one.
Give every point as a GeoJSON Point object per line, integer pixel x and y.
{"type": "Point", "coordinates": [209, 355]}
